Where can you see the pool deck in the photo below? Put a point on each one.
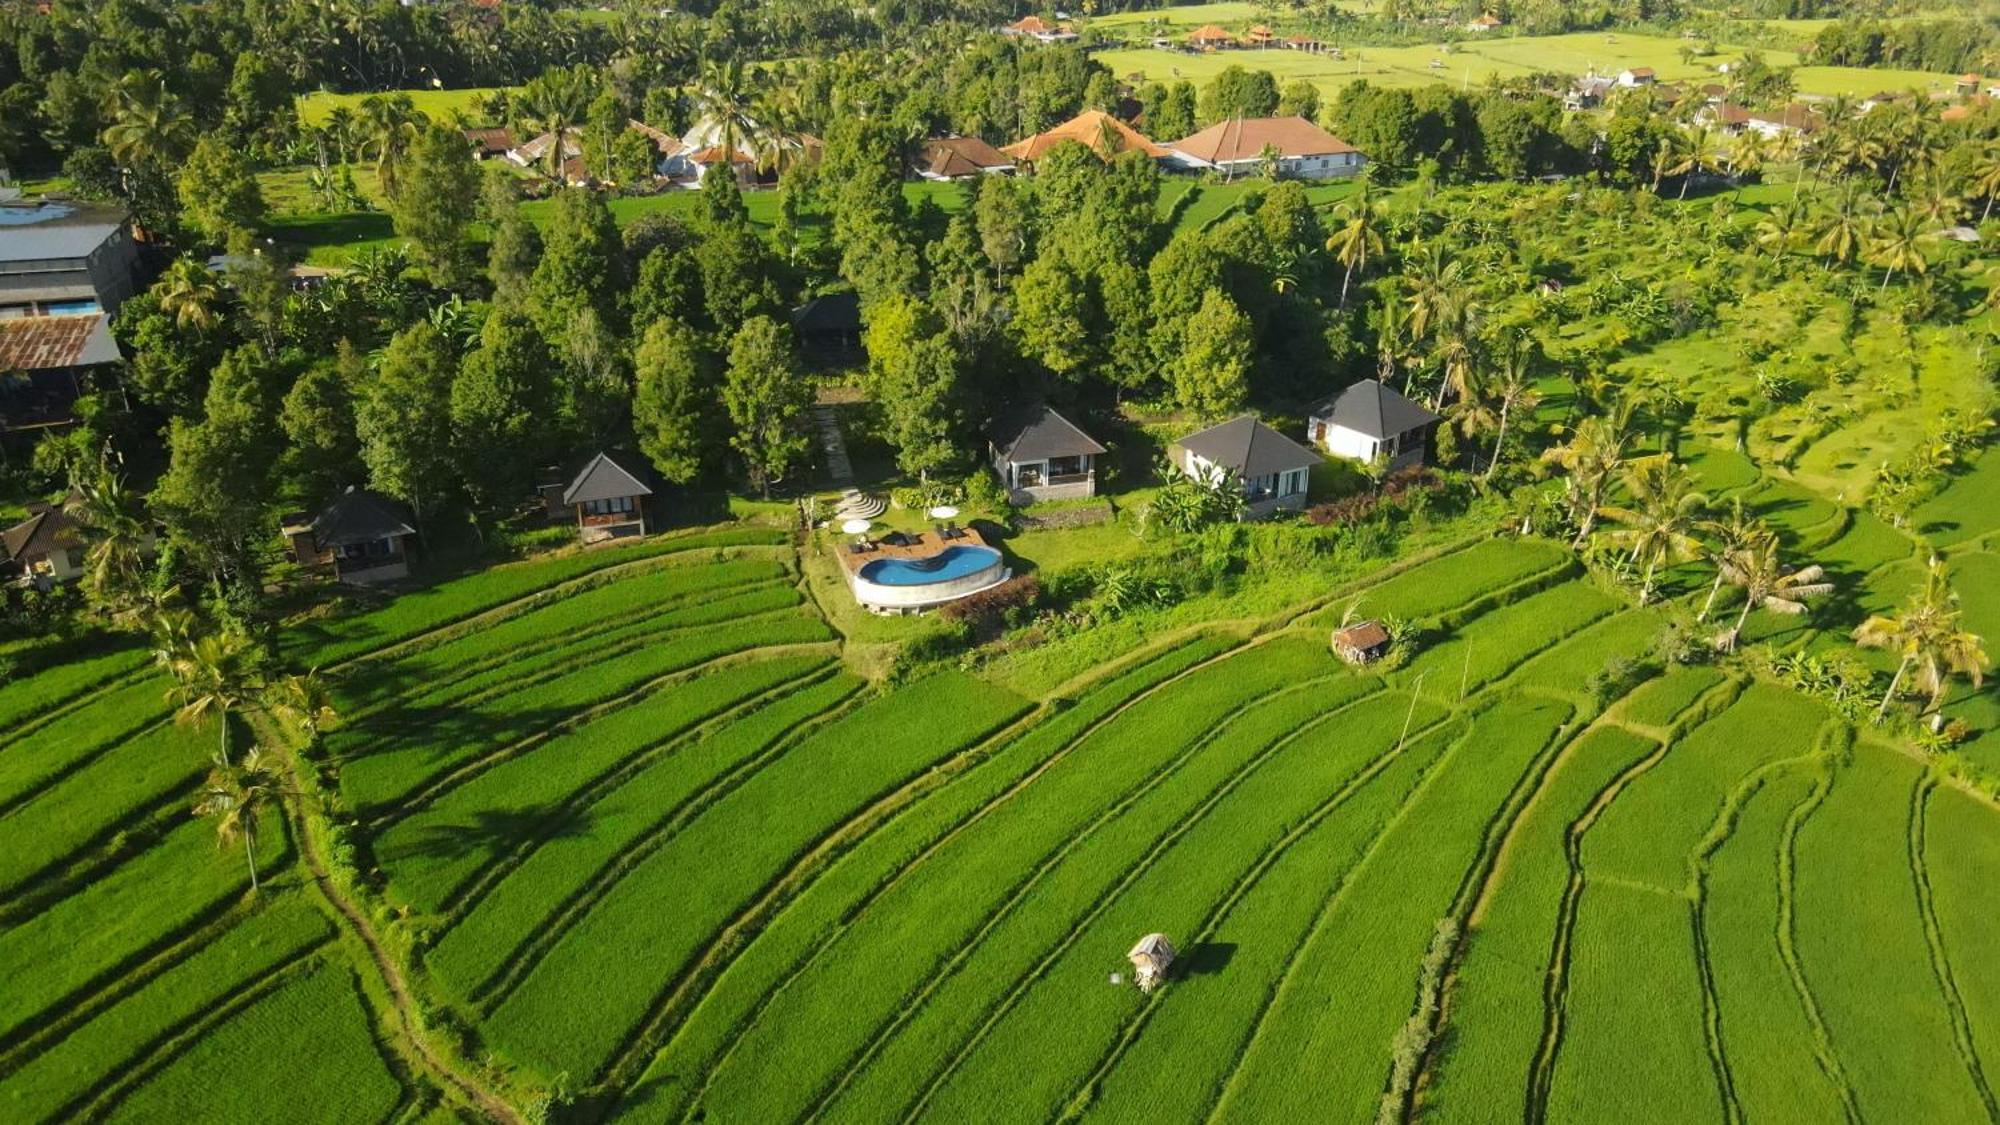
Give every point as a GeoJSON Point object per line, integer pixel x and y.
{"type": "Point", "coordinates": [924, 548]}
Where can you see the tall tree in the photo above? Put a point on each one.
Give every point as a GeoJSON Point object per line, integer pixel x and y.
{"type": "Point", "coordinates": [517, 242]}
{"type": "Point", "coordinates": [1211, 377]}
{"type": "Point", "coordinates": [913, 370]}
{"type": "Point", "coordinates": [322, 453]}
{"type": "Point", "coordinates": [502, 408]}
{"type": "Point", "coordinates": [435, 203]}
{"type": "Point", "coordinates": [1767, 583]}
{"type": "Point", "coordinates": [214, 495]}
{"type": "Point", "coordinates": [1927, 635]}
{"type": "Point", "coordinates": [670, 408]}
{"type": "Point", "coordinates": [1356, 239]}
{"type": "Point", "coordinates": [767, 397]}
{"type": "Point", "coordinates": [402, 416]}
{"type": "Point", "coordinates": [1660, 519]}
{"type": "Point", "coordinates": [582, 263]}
{"type": "Point", "coordinates": [234, 797]}
{"type": "Point", "coordinates": [1595, 449]}
{"type": "Point", "coordinates": [219, 196]}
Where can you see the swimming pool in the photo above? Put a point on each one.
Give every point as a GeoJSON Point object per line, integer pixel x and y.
{"type": "Point", "coordinates": [945, 566]}
{"type": "Point", "coordinates": [910, 585]}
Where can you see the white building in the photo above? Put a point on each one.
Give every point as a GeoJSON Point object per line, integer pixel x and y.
{"type": "Point", "coordinates": [1369, 420]}
{"type": "Point", "coordinates": [1236, 146]}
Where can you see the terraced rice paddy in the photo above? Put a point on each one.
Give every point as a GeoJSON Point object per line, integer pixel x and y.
{"type": "Point", "coordinates": [645, 833]}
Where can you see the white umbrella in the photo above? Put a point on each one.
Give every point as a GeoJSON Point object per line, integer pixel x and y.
{"type": "Point", "coordinates": [855, 527]}
{"type": "Point", "coordinates": [944, 512]}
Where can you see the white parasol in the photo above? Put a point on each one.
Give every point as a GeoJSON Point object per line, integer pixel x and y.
{"type": "Point", "coordinates": [855, 527]}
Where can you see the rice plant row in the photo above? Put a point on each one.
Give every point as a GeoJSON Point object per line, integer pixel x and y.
{"type": "Point", "coordinates": [517, 641]}
{"type": "Point", "coordinates": [1446, 583]}
{"type": "Point", "coordinates": [1961, 853]}
{"type": "Point", "coordinates": [1767, 1036]}
{"type": "Point", "coordinates": [87, 940]}
{"type": "Point", "coordinates": [37, 760]}
{"type": "Point", "coordinates": [935, 1024]}
{"type": "Point", "coordinates": [1311, 1059]}
{"type": "Point", "coordinates": [99, 1056]}
{"type": "Point", "coordinates": [571, 1012]}
{"type": "Point", "coordinates": [535, 901]}
{"type": "Point", "coordinates": [30, 701]}
{"type": "Point", "coordinates": [790, 947]}
{"type": "Point", "coordinates": [1312, 774]}
{"type": "Point", "coordinates": [413, 613]}
{"type": "Point", "coordinates": [1623, 639]}
{"type": "Point", "coordinates": [1941, 961]}
{"type": "Point", "coordinates": [425, 692]}
{"type": "Point", "coordinates": [1862, 944]}
{"type": "Point", "coordinates": [1498, 987]}
{"type": "Point", "coordinates": [430, 855]}
{"type": "Point", "coordinates": [249, 1069]}
{"type": "Point", "coordinates": [90, 805]}
{"type": "Point", "coordinates": [1504, 638]}
{"type": "Point", "coordinates": [1660, 700]}
{"type": "Point", "coordinates": [1106, 787]}
{"type": "Point", "coordinates": [445, 741]}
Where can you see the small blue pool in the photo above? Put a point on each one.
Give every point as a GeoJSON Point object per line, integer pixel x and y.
{"type": "Point", "coordinates": [947, 565]}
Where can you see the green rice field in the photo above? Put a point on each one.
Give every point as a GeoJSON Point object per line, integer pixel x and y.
{"type": "Point", "coordinates": [641, 844]}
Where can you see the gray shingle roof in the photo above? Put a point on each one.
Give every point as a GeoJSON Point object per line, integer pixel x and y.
{"type": "Point", "coordinates": [1249, 447]}
{"type": "Point", "coordinates": [1372, 409]}
{"type": "Point", "coordinates": [45, 230]}
{"type": "Point", "coordinates": [1040, 433]}
{"type": "Point", "coordinates": [609, 475]}
{"type": "Point", "coordinates": [359, 515]}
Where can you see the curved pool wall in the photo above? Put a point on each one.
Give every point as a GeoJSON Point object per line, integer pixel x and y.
{"type": "Point", "coordinates": [907, 585]}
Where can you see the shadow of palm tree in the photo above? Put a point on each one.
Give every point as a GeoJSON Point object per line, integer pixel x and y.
{"type": "Point", "coordinates": [492, 832]}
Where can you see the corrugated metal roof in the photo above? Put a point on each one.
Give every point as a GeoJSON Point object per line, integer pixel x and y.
{"type": "Point", "coordinates": [43, 230]}
{"type": "Point", "coordinates": [42, 343]}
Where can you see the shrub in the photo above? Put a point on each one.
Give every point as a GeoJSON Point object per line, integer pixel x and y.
{"type": "Point", "coordinates": [983, 493]}
{"type": "Point", "coordinates": [923, 497]}
{"type": "Point", "coordinates": [984, 608]}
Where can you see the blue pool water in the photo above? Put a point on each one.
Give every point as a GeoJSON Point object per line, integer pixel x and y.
{"type": "Point", "coordinates": [950, 563]}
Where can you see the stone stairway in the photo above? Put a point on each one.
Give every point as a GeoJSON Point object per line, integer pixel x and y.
{"type": "Point", "coordinates": [839, 470]}
{"type": "Point", "coordinates": [858, 505]}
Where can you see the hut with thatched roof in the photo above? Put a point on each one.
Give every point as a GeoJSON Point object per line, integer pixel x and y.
{"type": "Point", "coordinates": [1150, 959]}
{"type": "Point", "coordinates": [1361, 642]}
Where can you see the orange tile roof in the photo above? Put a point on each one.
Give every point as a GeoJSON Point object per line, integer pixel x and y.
{"type": "Point", "coordinates": [1244, 138]}
{"type": "Point", "coordinates": [1209, 33]}
{"type": "Point", "coordinates": [1093, 128]}
{"type": "Point", "coordinates": [1029, 25]}
{"type": "Point", "coordinates": [960, 156]}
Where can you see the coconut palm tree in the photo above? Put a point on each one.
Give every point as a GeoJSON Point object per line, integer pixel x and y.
{"type": "Point", "coordinates": [215, 674]}
{"type": "Point", "coordinates": [1986, 178]}
{"type": "Point", "coordinates": [1356, 239]}
{"type": "Point", "coordinates": [1896, 243]}
{"type": "Point", "coordinates": [1747, 154]}
{"type": "Point", "coordinates": [1392, 337]}
{"type": "Point", "coordinates": [1694, 156]}
{"type": "Point", "coordinates": [724, 99]}
{"type": "Point", "coordinates": [389, 126]}
{"type": "Point", "coordinates": [1777, 229]}
{"type": "Point", "coordinates": [191, 294]}
{"type": "Point", "coordinates": [340, 128]}
{"type": "Point", "coordinates": [1842, 228]}
{"type": "Point", "coordinates": [302, 698]}
{"type": "Point", "coordinates": [1595, 449]}
{"type": "Point", "coordinates": [147, 124]}
{"type": "Point", "coordinates": [234, 796]}
{"type": "Point", "coordinates": [116, 528]}
{"type": "Point", "coordinates": [1927, 636]}
{"type": "Point", "coordinates": [1661, 519]}
{"type": "Point", "coordinates": [1728, 538]}
{"type": "Point", "coordinates": [1767, 584]}
{"type": "Point", "coordinates": [1512, 386]}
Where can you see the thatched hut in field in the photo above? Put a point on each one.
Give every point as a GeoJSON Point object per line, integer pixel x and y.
{"type": "Point", "coordinates": [1150, 959]}
{"type": "Point", "coordinates": [1361, 642]}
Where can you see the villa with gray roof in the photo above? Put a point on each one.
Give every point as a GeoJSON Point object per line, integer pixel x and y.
{"type": "Point", "coordinates": [1369, 420]}
{"type": "Point", "coordinates": [1274, 469]}
{"type": "Point", "coordinates": [59, 258]}
{"type": "Point", "coordinates": [362, 537]}
{"type": "Point", "coordinates": [1041, 455]}
{"type": "Point", "coordinates": [611, 495]}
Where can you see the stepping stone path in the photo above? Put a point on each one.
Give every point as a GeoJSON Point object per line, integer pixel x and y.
{"type": "Point", "coordinates": [839, 470]}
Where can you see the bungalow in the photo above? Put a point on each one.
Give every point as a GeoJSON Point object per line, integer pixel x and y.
{"type": "Point", "coordinates": [960, 158]}
{"type": "Point", "coordinates": [44, 549]}
{"type": "Point", "coordinates": [1636, 76]}
{"type": "Point", "coordinates": [1041, 455]}
{"type": "Point", "coordinates": [1303, 43]}
{"type": "Point", "coordinates": [362, 537]}
{"type": "Point", "coordinates": [46, 364]}
{"type": "Point", "coordinates": [1094, 129]}
{"type": "Point", "coordinates": [1794, 119]}
{"type": "Point", "coordinates": [611, 495]}
{"type": "Point", "coordinates": [1039, 30]}
{"type": "Point", "coordinates": [1588, 92]}
{"type": "Point", "coordinates": [489, 143]}
{"type": "Point", "coordinates": [1361, 642]}
{"type": "Point", "coordinates": [1237, 146]}
{"type": "Point", "coordinates": [1273, 468]}
{"type": "Point", "coordinates": [1369, 420]}
{"type": "Point", "coordinates": [829, 328]}
{"type": "Point", "coordinates": [1260, 36]}
{"type": "Point", "coordinates": [1209, 37]}
{"type": "Point", "coordinates": [1965, 85]}
{"type": "Point", "coordinates": [534, 152]}
{"type": "Point", "coordinates": [1486, 22]}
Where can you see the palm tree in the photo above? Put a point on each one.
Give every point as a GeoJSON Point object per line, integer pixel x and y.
{"type": "Point", "coordinates": [116, 526]}
{"type": "Point", "coordinates": [235, 796]}
{"type": "Point", "coordinates": [1356, 238]}
{"type": "Point", "coordinates": [1660, 522]}
{"type": "Point", "coordinates": [147, 125]}
{"type": "Point", "coordinates": [1986, 178]}
{"type": "Point", "coordinates": [1695, 156]}
{"type": "Point", "coordinates": [1512, 386]}
{"type": "Point", "coordinates": [214, 674]}
{"type": "Point", "coordinates": [1392, 335]}
{"type": "Point", "coordinates": [1728, 539]}
{"type": "Point", "coordinates": [340, 129]}
{"type": "Point", "coordinates": [724, 100]}
{"type": "Point", "coordinates": [1747, 154]}
{"type": "Point", "coordinates": [1778, 228]}
{"type": "Point", "coordinates": [1896, 244]}
{"type": "Point", "coordinates": [1841, 227]}
{"type": "Point", "coordinates": [389, 122]}
{"type": "Point", "coordinates": [1664, 159]}
{"type": "Point", "coordinates": [191, 294]}
{"type": "Point", "coordinates": [1767, 584]}
{"type": "Point", "coordinates": [304, 699]}
{"type": "Point", "coordinates": [1926, 635]}
{"type": "Point", "coordinates": [1595, 449]}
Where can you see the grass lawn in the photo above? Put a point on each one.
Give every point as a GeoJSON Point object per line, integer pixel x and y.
{"type": "Point", "coordinates": [315, 108]}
